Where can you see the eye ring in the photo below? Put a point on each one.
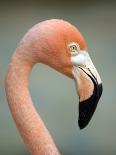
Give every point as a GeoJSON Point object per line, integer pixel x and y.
{"type": "Point", "coordinates": [74, 48]}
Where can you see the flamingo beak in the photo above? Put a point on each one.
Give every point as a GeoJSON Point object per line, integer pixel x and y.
{"type": "Point", "coordinates": [89, 87]}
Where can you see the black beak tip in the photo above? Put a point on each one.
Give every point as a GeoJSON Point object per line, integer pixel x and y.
{"type": "Point", "coordinates": [83, 120]}
{"type": "Point", "coordinates": [87, 107]}
{"type": "Point", "coordinates": [81, 124]}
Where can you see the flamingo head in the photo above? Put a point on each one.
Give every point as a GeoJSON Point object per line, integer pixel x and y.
{"type": "Point", "coordinates": [63, 48]}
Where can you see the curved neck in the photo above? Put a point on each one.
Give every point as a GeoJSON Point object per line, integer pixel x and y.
{"type": "Point", "coordinates": [28, 122]}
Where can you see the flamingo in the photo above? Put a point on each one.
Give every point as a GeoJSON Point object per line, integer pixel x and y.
{"type": "Point", "coordinates": [60, 45]}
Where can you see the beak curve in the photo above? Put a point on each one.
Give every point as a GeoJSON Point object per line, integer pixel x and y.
{"type": "Point", "coordinates": [87, 77]}
{"type": "Point", "coordinates": [87, 107]}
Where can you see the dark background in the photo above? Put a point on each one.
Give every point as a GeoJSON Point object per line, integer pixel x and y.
{"type": "Point", "coordinates": [54, 94]}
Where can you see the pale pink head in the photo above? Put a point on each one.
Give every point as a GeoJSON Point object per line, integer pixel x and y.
{"type": "Point", "coordinates": [61, 46]}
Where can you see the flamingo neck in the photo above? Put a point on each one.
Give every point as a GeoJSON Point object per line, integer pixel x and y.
{"type": "Point", "coordinates": [28, 122]}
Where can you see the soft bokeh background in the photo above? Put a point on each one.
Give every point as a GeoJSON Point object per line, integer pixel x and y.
{"type": "Point", "coordinates": [54, 94]}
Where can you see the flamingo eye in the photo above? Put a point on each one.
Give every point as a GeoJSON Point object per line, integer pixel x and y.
{"type": "Point", "coordinates": [74, 48]}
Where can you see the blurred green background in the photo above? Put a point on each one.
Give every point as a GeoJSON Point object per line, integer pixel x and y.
{"type": "Point", "coordinates": [54, 94]}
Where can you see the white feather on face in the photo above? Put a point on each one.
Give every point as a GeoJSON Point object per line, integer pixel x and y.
{"type": "Point", "coordinates": [79, 59]}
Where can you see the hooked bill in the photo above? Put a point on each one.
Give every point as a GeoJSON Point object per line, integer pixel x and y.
{"type": "Point", "coordinates": [89, 87]}
{"type": "Point", "coordinates": [88, 106]}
